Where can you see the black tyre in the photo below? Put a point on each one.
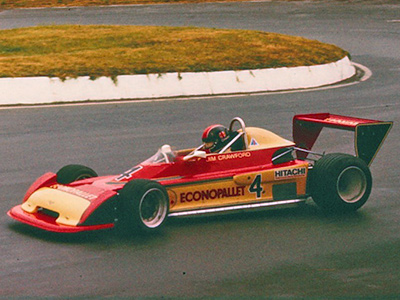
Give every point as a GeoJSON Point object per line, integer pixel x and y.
{"type": "Point", "coordinates": [71, 173]}
{"type": "Point", "coordinates": [340, 183]}
{"type": "Point", "coordinates": [144, 205]}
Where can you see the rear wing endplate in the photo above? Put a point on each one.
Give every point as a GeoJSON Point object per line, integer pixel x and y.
{"type": "Point", "coordinates": [369, 134]}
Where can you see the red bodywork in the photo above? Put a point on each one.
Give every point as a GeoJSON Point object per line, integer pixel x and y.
{"type": "Point", "coordinates": [179, 172]}
{"type": "Point", "coordinates": [369, 134]}
{"type": "Point", "coordinates": [102, 192]}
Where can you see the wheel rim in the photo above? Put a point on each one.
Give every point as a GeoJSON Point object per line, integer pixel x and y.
{"type": "Point", "coordinates": [352, 184]}
{"type": "Point", "coordinates": [153, 208]}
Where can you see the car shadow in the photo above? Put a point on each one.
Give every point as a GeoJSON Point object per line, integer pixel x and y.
{"type": "Point", "coordinates": [78, 238]}
{"type": "Point", "coordinates": [306, 211]}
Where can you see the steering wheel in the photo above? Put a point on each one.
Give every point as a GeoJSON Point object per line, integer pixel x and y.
{"type": "Point", "coordinates": [243, 127]}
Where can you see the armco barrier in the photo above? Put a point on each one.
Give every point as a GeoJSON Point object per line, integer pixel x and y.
{"type": "Point", "coordinates": [31, 90]}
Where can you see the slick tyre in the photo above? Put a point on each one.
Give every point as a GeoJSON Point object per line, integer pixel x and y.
{"type": "Point", "coordinates": [144, 205]}
{"type": "Point", "coordinates": [71, 173]}
{"type": "Point", "coordinates": [340, 183]}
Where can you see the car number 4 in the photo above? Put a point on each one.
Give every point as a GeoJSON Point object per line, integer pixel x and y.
{"type": "Point", "coordinates": [256, 187]}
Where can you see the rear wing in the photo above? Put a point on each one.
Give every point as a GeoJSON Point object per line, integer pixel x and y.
{"type": "Point", "coordinates": [369, 134]}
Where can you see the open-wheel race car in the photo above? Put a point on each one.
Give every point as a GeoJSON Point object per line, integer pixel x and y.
{"type": "Point", "coordinates": [254, 169]}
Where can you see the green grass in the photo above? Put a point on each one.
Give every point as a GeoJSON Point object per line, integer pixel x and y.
{"type": "Point", "coordinates": [73, 50]}
{"type": "Point", "coordinates": [10, 4]}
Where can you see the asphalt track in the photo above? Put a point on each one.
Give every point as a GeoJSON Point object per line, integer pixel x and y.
{"type": "Point", "coordinates": [289, 253]}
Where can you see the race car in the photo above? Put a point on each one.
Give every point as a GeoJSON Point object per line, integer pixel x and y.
{"type": "Point", "coordinates": [265, 170]}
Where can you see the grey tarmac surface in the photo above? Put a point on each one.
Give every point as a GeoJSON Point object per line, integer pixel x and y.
{"type": "Point", "coordinates": [291, 253]}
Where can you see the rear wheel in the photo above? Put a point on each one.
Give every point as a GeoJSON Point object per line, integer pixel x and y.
{"type": "Point", "coordinates": [340, 183]}
{"type": "Point", "coordinates": [145, 206]}
{"type": "Point", "coordinates": [71, 173]}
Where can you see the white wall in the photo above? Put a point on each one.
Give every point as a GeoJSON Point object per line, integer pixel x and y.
{"type": "Point", "coordinates": [30, 90]}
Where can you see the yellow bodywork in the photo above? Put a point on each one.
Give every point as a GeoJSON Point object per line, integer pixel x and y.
{"type": "Point", "coordinates": [265, 139]}
{"type": "Point", "coordinates": [69, 207]}
{"type": "Point", "coordinates": [244, 188]}
{"type": "Point", "coordinates": [240, 189]}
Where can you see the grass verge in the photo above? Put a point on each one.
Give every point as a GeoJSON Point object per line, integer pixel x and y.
{"type": "Point", "coordinates": [74, 50]}
{"type": "Point", "coordinates": [10, 4]}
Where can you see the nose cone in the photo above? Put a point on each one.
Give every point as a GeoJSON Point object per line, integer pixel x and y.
{"type": "Point", "coordinates": [69, 207]}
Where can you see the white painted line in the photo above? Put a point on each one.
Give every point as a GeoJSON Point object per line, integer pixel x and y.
{"type": "Point", "coordinates": [367, 72]}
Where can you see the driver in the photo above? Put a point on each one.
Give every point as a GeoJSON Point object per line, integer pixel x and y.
{"type": "Point", "coordinates": [216, 137]}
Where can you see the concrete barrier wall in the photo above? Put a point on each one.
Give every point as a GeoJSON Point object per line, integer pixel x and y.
{"type": "Point", "coordinates": [31, 90]}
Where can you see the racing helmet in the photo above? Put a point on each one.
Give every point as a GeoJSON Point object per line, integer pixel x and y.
{"type": "Point", "coordinates": [215, 137]}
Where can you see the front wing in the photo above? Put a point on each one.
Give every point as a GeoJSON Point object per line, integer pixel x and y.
{"type": "Point", "coordinates": [49, 223]}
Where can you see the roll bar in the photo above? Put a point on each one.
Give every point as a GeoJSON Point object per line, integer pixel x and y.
{"type": "Point", "coordinates": [243, 127]}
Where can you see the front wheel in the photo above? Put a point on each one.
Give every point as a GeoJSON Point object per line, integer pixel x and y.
{"type": "Point", "coordinates": [71, 173]}
{"type": "Point", "coordinates": [340, 182]}
{"type": "Point", "coordinates": [145, 206]}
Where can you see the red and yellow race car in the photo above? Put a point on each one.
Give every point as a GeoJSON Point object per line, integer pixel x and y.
{"type": "Point", "coordinates": [254, 169]}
